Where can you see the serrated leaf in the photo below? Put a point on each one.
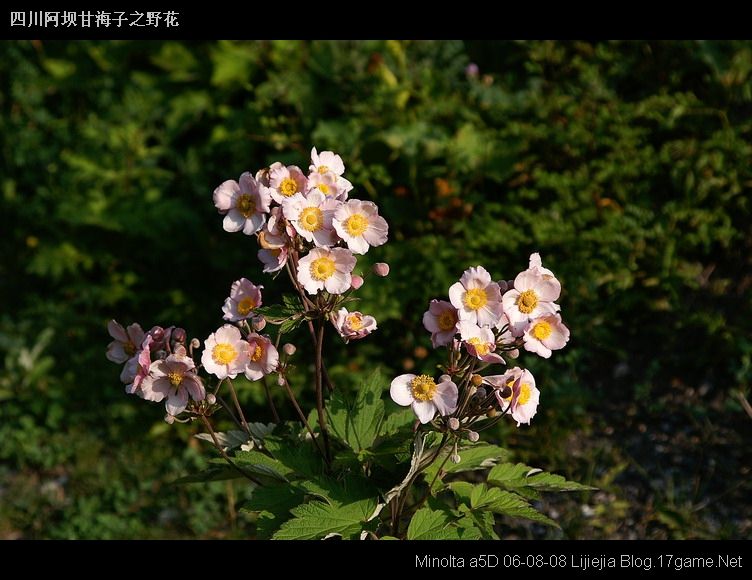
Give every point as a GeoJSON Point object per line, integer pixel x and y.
{"type": "Point", "coordinates": [261, 462]}
{"type": "Point", "coordinates": [506, 503]}
{"type": "Point", "coordinates": [319, 520]}
{"type": "Point", "coordinates": [228, 439]}
{"type": "Point", "coordinates": [428, 524]}
{"type": "Point", "coordinates": [516, 476]}
{"type": "Point", "coordinates": [357, 423]}
{"type": "Point", "coordinates": [395, 421]}
{"type": "Point", "coordinates": [471, 458]}
{"type": "Point", "coordinates": [211, 474]}
{"type": "Point", "coordinates": [273, 504]}
{"type": "Point", "coordinates": [301, 458]}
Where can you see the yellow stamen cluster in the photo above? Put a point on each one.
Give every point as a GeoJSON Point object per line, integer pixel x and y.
{"type": "Point", "coordinates": [542, 330]}
{"type": "Point", "coordinates": [246, 305]}
{"type": "Point", "coordinates": [423, 388]}
{"type": "Point", "coordinates": [258, 352]}
{"type": "Point", "coordinates": [322, 268]}
{"type": "Point", "coordinates": [527, 301]}
{"type": "Point", "coordinates": [246, 206]}
{"type": "Point", "coordinates": [355, 321]}
{"type": "Point", "coordinates": [356, 224]}
{"type": "Point", "coordinates": [311, 219]}
{"type": "Point", "coordinates": [288, 187]}
{"type": "Point", "coordinates": [175, 379]}
{"type": "Point", "coordinates": [447, 320]}
{"type": "Point", "coordinates": [224, 353]}
{"type": "Point", "coordinates": [475, 298]}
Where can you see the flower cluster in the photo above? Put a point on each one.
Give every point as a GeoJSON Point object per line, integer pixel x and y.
{"type": "Point", "coordinates": [309, 224]}
{"type": "Point", "coordinates": [482, 321]}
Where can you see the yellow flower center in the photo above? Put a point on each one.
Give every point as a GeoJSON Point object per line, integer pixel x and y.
{"type": "Point", "coordinates": [311, 219]}
{"type": "Point", "coordinates": [480, 347]}
{"type": "Point", "coordinates": [246, 205]}
{"type": "Point", "coordinates": [356, 224]}
{"type": "Point", "coordinates": [246, 305]}
{"type": "Point", "coordinates": [525, 392]}
{"type": "Point", "coordinates": [323, 169]}
{"type": "Point", "coordinates": [258, 352]}
{"type": "Point", "coordinates": [175, 379]}
{"type": "Point", "coordinates": [423, 387]}
{"type": "Point", "coordinates": [527, 301]}
{"type": "Point", "coordinates": [475, 298]}
{"type": "Point", "coordinates": [322, 268]}
{"type": "Point", "coordinates": [224, 353]}
{"type": "Point", "coordinates": [288, 187]}
{"type": "Point", "coordinates": [542, 330]}
{"type": "Point", "coordinates": [447, 320]}
{"type": "Point", "coordinates": [355, 321]}
{"type": "Point", "coordinates": [129, 348]}
{"type": "Point", "coordinates": [323, 188]}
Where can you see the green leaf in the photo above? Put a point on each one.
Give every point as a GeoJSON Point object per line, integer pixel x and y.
{"type": "Point", "coordinates": [481, 498]}
{"type": "Point", "coordinates": [516, 476]}
{"type": "Point", "coordinates": [257, 462]}
{"type": "Point", "coordinates": [428, 524]}
{"type": "Point", "coordinates": [393, 422]}
{"type": "Point", "coordinates": [357, 424]}
{"type": "Point", "coordinates": [300, 458]}
{"type": "Point", "coordinates": [273, 504]}
{"type": "Point", "coordinates": [473, 458]}
{"type": "Point", "coordinates": [211, 474]}
{"type": "Point", "coordinates": [320, 520]}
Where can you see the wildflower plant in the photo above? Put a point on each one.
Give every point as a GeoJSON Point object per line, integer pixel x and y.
{"type": "Point", "coordinates": [347, 468]}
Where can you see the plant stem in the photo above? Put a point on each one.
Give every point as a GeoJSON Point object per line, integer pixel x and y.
{"type": "Point", "coordinates": [224, 455]}
{"type": "Point", "coordinates": [271, 401]}
{"type": "Point", "coordinates": [237, 406]}
{"type": "Point", "coordinates": [320, 390]}
{"type": "Point", "coordinates": [302, 416]}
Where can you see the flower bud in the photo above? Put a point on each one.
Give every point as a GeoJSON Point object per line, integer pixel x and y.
{"type": "Point", "coordinates": [492, 412]}
{"type": "Point", "coordinates": [259, 322]}
{"type": "Point", "coordinates": [381, 269]}
{"type": "Point", "coordinates": [477, 380]}
{"type": "Point", "coordinates": [455, 458]}
{"type": "Point", "coordinates": [473, 436]}
{"type": "Point", "coordinates": [454, 423]}
{"type": "Point", "coordinates": [281, 381]}
{"type": "Point", "coordinates": [211, 399]}
{"type": "Point", "coordinates": [356, 282]}
{"type": "Point", "coordinates": [195, 343]}
{"type": "Point", "coordinates": [179, 336]}
{"type": "Point", "coordinates": [505, 392]}
{"type": "Point", "coordinates": [289, 349]}
{"type": "Point", "coordinates": [169, 419]}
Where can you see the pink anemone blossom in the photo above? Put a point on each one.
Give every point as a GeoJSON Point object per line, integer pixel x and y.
{"type": "Point", "coordinates": [477, 297]}
{"type": "Point", "coordinates": [424, 395]}
{"type": "Point", "coordinates": [353, 325]}
{"type": "Point", "coordinates": [244, 204]}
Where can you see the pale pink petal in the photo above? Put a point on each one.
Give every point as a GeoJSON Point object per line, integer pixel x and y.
{"type": "Point", "coordinates": [357, 245]}
{"type": "Point", "coordinates": [477, 277]}
{"type": "Point", "coordinates": [338, 283]}
{"type": "Point", "coordinates": [117, 331]}
{"type": "Point", "coordinates": [424, 410]}
{"type": "Point", "coordinates": [445, 397]}
{"type": "Point", "coordinates": [253, 223]}
{"type": "Point", "coordinates": [194, 387]}
{"type": "Point", "coordinates": [456, 292]}
{"type": "Point", "coordinates": [527, 280]}
{"type": "Point", "coordinates": [234, 221]}
{"type": "Point", "coordinates": [536, 346]}
{"type": "Point", "coordinates": [247, 183]}
{"type": "Point", "coordinates": [559, 337]}
{"type": "Point", "coordinates": [176, 401]}
{"type": "Point", "coordinates": [116, 353]}
{"type": "Point", "coordinates": [154, 389]}
{"type": "Point", "coordinates": [400, 390]}
{"type": "Point", "coordinates": [489, 314]}
{"type": "Point", "coordinates": [225, 194]}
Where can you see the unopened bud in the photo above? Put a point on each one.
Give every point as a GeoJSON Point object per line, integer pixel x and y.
{"type": "Point", "coordinates": [211, 399]}
{"type": "Point", "coordinates": [281, 381]}
{"type": "Point", "coordinates": [356, 282]}
{"type": "Point", "coordinates": [473, 436]}
{"type": "Point", "coordinates": [477, 380]}
{"type": "Point", "coordinates": [179, 335]}
{"type": "Point", "coordinates": [455, 458]}
{"type": "Point", "coordinates": [289, 349]}
{"type": "Point", "coordinates": [454, 423]}
{"type": "Point", "coordinates": [505, 392]}
{"type": "Point", "coordinates": [157, 333]}
{"type": "Point", "coordinates": [492, 412]}
{"type": "Point", "coordinates": [381, 269]}
{"type": "Point", "coordinates": [169, 419]}
{"type": "Point", "coordinates": [195, 343]}
{"type": "Point", "coordinates": [259, 322]}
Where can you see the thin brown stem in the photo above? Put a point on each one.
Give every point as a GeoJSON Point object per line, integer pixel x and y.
{"type": "Point", "coordinates": [229, 412]}
{"type": "Point", "coordinates": [223, 453]}
{"type": "Point", "coordinates": [271, 401]}
{"type": "Point", "coordinates": [237, 406]}
{"type": "Point", "coordinates": [302, 416]}
{"type": "Point", "coordinates": [320, 390]}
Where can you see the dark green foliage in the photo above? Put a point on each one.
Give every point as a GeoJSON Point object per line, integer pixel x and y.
{"type": "Point", "coordinates": [626, 164]}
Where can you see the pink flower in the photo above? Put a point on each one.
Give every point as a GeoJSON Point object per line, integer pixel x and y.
{"type": "Point", "coordinates": [353, 325]}
{"type": "Point", "coordinates": [441, 321]}
{"type": "Point", "coordinates": [138, 369]}
{"type": "Point", "coordinates": [225, 353]}
{"type": "Point", "coordinates": [312, 217]}
{"type": "Point", "coordinates": [284, 182]}
{"type": "Point", "coordinates": [126, 343]}
{"type": "Point", "coordinates": [476, 297]}
{"type": "Point", "coordinates": [545, 334]}
{"type": "Point", "coordinates": [263, 357]}
{"type": "Point", "coordinates": [359, 224]}
{"type": "Point", "coordinates": [329, 269]}
{"type": "Point", "coordinates": [275, 234]}
{"type": "Point", "coordinates": [243, 204]}
{"type": "Point", "coordinates": [533, 295]}
{"type": "Point", "coordinates": [381, 269]}
{"type": "Point", "coordinates": [356, 282]}
{"type": "Point", "coordinates": [479, 342]}
{"type": "Point", "coordinates": [328, 185]}
{"type": "Point", "coordinates": [244, 298]}
{"type": "Point", "coordinates": [325, 162]}
{"type": "Point", "coordinates": [425, 396]}
{"type": "Point", "coordinates": [524, 398]}
{"type": "Point", "coordinates": [173, 378]}
{"type": "Point", "coordinates": [273, 260]}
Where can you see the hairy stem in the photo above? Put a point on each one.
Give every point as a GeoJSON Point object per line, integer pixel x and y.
{"type": "Point", "coordinates": [224, 455]}
{"type": "Point", "coordinates": [302, 416]}
{"type": "Point", "coordinates": [320, 390]}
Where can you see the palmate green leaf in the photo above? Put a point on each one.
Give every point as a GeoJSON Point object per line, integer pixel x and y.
{"type": "Point", "coordinates": [479, 497]}
{"type": "Point", "coordinates": [273, 504]}
{"type": "Point", "coordinates": [316, 520]}
{"type": "Point", "coordinates": [357, 423]}
{"type": "Point", "coordinates": [428, 524]}
{"type": "Point", "coordinates": [514, 477]}
{"type": "Point", "coordinates": [472, 458]}
{"type": "Point", "coordinates": [395, 421]}
{"type": "Point", "coordinates": [300, 458]}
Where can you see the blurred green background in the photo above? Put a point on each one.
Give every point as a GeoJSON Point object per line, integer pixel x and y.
{"type": "Point", "coordinates": [627, 165]}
